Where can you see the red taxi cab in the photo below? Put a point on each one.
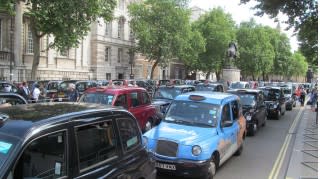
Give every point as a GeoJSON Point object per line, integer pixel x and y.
{"type": "Point", "coordinates": [136, 100]}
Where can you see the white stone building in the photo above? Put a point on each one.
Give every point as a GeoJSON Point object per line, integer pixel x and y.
{"type": "Point", "coordinates": [103, 54]}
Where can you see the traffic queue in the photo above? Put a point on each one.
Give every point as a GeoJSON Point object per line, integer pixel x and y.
{"type": "Point", "coordinates": [119, 129]}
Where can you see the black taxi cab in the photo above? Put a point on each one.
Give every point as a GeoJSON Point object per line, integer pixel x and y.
{"type": "Point", "coordinates": [69, 140]}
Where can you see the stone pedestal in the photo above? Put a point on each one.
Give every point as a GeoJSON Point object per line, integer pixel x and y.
{"type": "Point", "coordinates": [230, 74]}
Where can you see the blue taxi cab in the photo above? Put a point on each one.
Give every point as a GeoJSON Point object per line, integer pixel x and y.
{"type": "Point", "coordinates": [200, 131]}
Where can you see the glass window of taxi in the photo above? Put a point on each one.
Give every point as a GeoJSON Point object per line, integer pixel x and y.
{"type": "Point", "coordinates": [193, 113]}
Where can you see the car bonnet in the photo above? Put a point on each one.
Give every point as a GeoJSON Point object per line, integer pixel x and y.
{"type": "Point", "coordinates": [183, 134]}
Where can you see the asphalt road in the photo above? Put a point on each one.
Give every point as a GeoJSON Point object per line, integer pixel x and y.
{"type": "Point", "coordinates": [260, 152]}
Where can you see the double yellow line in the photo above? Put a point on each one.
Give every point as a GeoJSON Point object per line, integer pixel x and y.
{"type": "Point", "coordinates": [283, 151]}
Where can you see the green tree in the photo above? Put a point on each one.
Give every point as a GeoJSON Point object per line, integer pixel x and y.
{"type": "Point", "coordinates": [160, 28]}
{"type": "Point", "coordinates": [68, 21]}
{"type": "Point", "coordinates": [190, 53]}
{"type": "Point", "coordinates": [302, 15]}
{"type": "Point", "coordinates": [282, 51]}
{"type": "Point", "coordinates": [299, 65]}
{"type": "Point", "coordinates": [257, 53]}
{"type": "Point", "coordinates": [218, 29]}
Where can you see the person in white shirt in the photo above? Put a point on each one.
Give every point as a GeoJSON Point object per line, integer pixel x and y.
{"type": "Point", "coordinates": [36, 93]}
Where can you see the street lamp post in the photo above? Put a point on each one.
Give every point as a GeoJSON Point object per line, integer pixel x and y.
{"type": "Point", "coordinates": [131, 56]}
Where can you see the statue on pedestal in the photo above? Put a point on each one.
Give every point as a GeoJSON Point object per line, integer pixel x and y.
{"type": "Point", "coordinates": [231, 56]}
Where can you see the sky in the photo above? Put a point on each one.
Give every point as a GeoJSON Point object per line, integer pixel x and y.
{"type": "Point", "coordinates": [244, 13]}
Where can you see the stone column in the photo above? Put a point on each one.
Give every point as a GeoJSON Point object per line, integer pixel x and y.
{"type": "Point", "coordinates": [230, 74]}
{"type": "Point", "coordinates": [18, 34]}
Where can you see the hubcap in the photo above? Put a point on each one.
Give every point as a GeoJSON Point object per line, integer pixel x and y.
{"type": "Point", "coordinates": [212, 168]}
{"type": "Point", "coordinates": [255, 127]}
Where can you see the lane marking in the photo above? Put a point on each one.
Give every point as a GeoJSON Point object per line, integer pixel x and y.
{"type": "Point", "coordinates": [280, 158]}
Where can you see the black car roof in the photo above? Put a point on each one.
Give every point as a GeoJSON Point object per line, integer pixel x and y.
{"type": "Point", "coordinates": [17, 120]}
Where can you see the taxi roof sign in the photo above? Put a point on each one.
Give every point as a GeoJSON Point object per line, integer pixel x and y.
{"type": "Point", "coordinates": [196, 97]}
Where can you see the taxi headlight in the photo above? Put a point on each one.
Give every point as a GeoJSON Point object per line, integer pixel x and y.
{"type": "Point", "coordinates": [196, 150]}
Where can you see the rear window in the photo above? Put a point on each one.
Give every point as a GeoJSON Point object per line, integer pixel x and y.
{"type": "Point", "coordinates": [237, 85]}
{"type": "Point", "coordinates": [98, 98]}
{"type": "Point", "coordinates": [7, 145]}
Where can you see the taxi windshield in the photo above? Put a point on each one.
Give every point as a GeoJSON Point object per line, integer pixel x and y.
{"type": "Point", "coordinates": [167, 93]}
{"type": "Point", "coordinates": [193, 113]}
{"type": "Point", "coordinates": [99, 98]}
{"type": "Point", "coordinates": [7, 145]}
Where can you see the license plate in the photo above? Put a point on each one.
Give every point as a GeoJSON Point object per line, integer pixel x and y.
{"type": "Point", "coordinates": [165, 166]}
{"type": "Point", "coordinates": [60, 99]}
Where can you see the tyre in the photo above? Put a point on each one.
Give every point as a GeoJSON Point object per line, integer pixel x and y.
{"type": "Point", "coordinates": [253, 129]}
{"type": "Point", "coordinates": [265, 120]}
{"type": "Point", "coordinates": [239, 151]}
{"type": "Point", "coordinates": [278, 115]}
{"type": "Point", "coordinates": [212, 168]}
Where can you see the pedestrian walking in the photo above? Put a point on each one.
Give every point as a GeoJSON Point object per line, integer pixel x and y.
{"type": "Point", "coordinates": [73, 93]}
{"type": "Point", "coordinates": [35, 93]}
{"type": "Point", "coordinates": [24, 90]}
{"type": "Point", "coordinates": [302, 96]}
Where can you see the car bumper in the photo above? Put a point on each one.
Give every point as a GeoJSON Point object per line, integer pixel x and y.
{"type": "Point", "coordinates": [250, 124]}
{"type": "Point", "coordinates": [272, 112]}
{"type": "Point", "coordinates": [289, 104]}
{"type": "Point", "coordinates": [186, 168]}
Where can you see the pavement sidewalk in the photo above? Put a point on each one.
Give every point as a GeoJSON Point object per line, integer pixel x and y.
{"type": "Point", "coordinates": [303, 162]}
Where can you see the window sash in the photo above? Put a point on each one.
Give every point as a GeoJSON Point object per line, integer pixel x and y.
{"type": "Point", "coordinates": [29, 49]}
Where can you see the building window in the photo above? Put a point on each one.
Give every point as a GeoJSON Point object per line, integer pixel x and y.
{"type": "Point", "coordinates": [108, 29]}
{"type": "Point", "coordinates": [108, 76]}
{"type": "Point", "coordinates": [121, 27]}
{"type": "Point", "coordinates": [107, 54]}
{"type": "Point", "coordinates": [120, 53]}
{"type": "Point", "coordinates": [29, 49]}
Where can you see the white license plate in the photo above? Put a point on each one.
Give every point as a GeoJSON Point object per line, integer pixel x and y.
{"type": "Point", "coordinates": [60, 99]}
{"type": "Point", "coordinates": [165, 166]}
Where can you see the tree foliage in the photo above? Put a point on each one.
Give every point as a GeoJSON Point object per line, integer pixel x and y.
{"type": "Point", "coordinates": [161, 29]}
{"type": "Point", "coordinates": [302, 15]}
{"type": "Point", "coordinates": [68, 21]}
{"type": "Point", "coordinates": [282, 50]}
{"type": "Point", "coordinates": [191, 51]}
{"type": "Point", "coordinates": [257, 52]}
{"type": "Point", "coordinates": [299, 65]}
{"type": "Point", "coordinates": [218, 29]}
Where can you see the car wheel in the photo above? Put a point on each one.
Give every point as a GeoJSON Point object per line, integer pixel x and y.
{"type": "Point", "coordinates": [239, 151]}
{"type": "Point", "coordinates": [212, 168]}
{"type": "Point", "coordinates": [278, 115]}
{"type": "Point", "coordinates": [265, 120]}
{"type": "Point", "coordinates": [253, 129]}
